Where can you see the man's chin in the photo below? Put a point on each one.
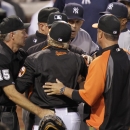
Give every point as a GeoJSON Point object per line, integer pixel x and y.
{"type": "Point", "coordinates": [73, 36]}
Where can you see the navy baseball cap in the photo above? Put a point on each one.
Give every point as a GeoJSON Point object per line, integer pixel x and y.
{"type": "Point", "coordinates": [45, 12]}
{"type": "Point", "coordinates": [56, 16]}
{"type": "Point", "coordinates": [74, 11]}
{"type": "Point", "coordinates": [108, 23]}
{"type": "Point", "coordinates": [118, 9]}
{"type": "Point", "coordinates": [12, 23]}
{"type": "Point", "coordinates": [60, 31]}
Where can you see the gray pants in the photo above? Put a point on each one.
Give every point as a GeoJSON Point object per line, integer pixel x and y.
{"type": "Point", "coordinates": [27, 119]}
{"type": "Point", "coordinates": [10, 119]}
{"type": "Point", "coordinates": [83, 124]}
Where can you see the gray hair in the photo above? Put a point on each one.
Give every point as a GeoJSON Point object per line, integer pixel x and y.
{"type": "Point", "coordinates": [111, 37]}
{"type": "Point", "coordinates": [5, 37]}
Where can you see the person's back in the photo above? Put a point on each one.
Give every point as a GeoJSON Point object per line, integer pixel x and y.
{"type": "Point", "coordinates": [55, 61]}
{"type": "Point", "coordinates": [117, 95]}
{"type": "Point", "coordinates": [114, 69]}
{"type": "Point", "coordinates": [62, 64]}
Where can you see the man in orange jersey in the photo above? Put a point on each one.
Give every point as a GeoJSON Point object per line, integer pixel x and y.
{"type": "Point", "coordinates": [106, 88]}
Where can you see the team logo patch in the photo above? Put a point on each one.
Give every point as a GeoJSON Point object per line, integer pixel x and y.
{"type": "Point", "coordinates": [22, 71]}
{"type": "Point", "coordinates": [58, 53]}
{"type": "Point", "coordinates": [34, 40]}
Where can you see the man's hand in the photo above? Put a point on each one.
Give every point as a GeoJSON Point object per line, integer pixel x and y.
{"type": "Point", "coordinates": [53, 88]}
{"type": "Point", "coordinates": [46, 112]}
{"type": "Point", "coordinates": [88, 59]}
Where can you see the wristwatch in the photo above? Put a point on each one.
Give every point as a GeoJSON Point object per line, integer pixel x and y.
{"type": "Point", "coordinates": [62, 90]}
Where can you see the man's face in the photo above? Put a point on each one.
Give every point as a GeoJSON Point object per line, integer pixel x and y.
{"type": "Point", "coordinates": [75, 26]}
{"type": "Point", "coordinates": [43, 28]}
{"type": "Point", "coordinates": [19, 37]}
{"type": "Point", "coordinates": [128, 7]}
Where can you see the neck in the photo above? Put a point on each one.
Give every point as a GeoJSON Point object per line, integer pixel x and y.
{"type": "Point", "coordinates": [123, 27]}
{"type": "Point", "coordinates": [42, 32]}
{"type": "Point", "coordinates": [108, 44]}
{"type": "Point", "coordinates": [11, 46]}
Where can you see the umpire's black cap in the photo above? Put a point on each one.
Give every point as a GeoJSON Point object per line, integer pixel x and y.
{"type": "Point", "coordinates": [60, 31]}
{"type": "Point", "coordinates": [45, 12]}
{"type": "Point", "coordinates": [56, 16]}
{"type": "Point", "coordinates": [12, 23]}
{"type": "Point", "coordinates": [108, 23]}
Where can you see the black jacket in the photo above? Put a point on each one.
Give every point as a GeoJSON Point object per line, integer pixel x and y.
{"type": "Point", "coordinates": [34, 39]}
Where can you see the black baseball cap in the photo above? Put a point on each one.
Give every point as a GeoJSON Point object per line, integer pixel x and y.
{"type": "Point", "coordinates": [12, 23]}
{"type": "Point", "coordinates": [56, 16]}
{"type": "Point", "coordinates": [108, 23]}
{"type": "Point", "coordinates": [74, 11]}
{"type": "Point", "coordinates": [45, 12]}
{"type": "Point", "coordinates": [118, 9]}
{"type": "Point", "coordinates": [60, 31]}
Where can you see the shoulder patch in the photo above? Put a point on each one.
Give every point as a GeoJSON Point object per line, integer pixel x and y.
{"type": "Point", "coordinates": [22, 71]}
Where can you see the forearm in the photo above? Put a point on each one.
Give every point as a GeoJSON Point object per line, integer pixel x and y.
{"type": "Point", "coordinates": [22, 101]}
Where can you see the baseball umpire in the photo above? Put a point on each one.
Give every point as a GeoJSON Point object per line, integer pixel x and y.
{"type": "Point", "coordinates": [12, 37]}
{"type": "Point", "coordinates": [54, 61]}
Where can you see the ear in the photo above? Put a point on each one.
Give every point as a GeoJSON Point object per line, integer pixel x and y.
{"type": "Point", "coordinates": [123, 21]}
{"type": "Point", "coordinates": [11, 35]}
{"type": "Point", "coordinates": [42, 26]}
{"type": "Point", "coordinates": [100, 34]}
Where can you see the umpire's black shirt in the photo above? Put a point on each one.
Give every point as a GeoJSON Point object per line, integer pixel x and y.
{"type": "Point", "coordinates": [10, 64]}
{"type": "Point", "coordinates": [46, 66]}
{"type": "Point", "coordinates": [34, 40]}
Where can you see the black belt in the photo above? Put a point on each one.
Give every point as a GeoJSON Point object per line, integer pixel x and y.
{"type": "Point", "coordinates": [70, 109]}
{"type": "Point", "coordinates": [7, 108]}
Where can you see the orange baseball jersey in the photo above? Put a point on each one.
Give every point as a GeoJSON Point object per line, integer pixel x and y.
{"type": "Point", "coordinates": [107, 90]}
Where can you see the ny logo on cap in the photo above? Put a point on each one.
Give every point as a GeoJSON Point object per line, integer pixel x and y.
{"type": "Point", "coordinates": [110, 6]}
{"type": "Point", "coordinates": [59, 39]}
{"type": "Point", "coordinates": [58, 17]}
{"type": "Point", "coordinates": [75, 10]}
